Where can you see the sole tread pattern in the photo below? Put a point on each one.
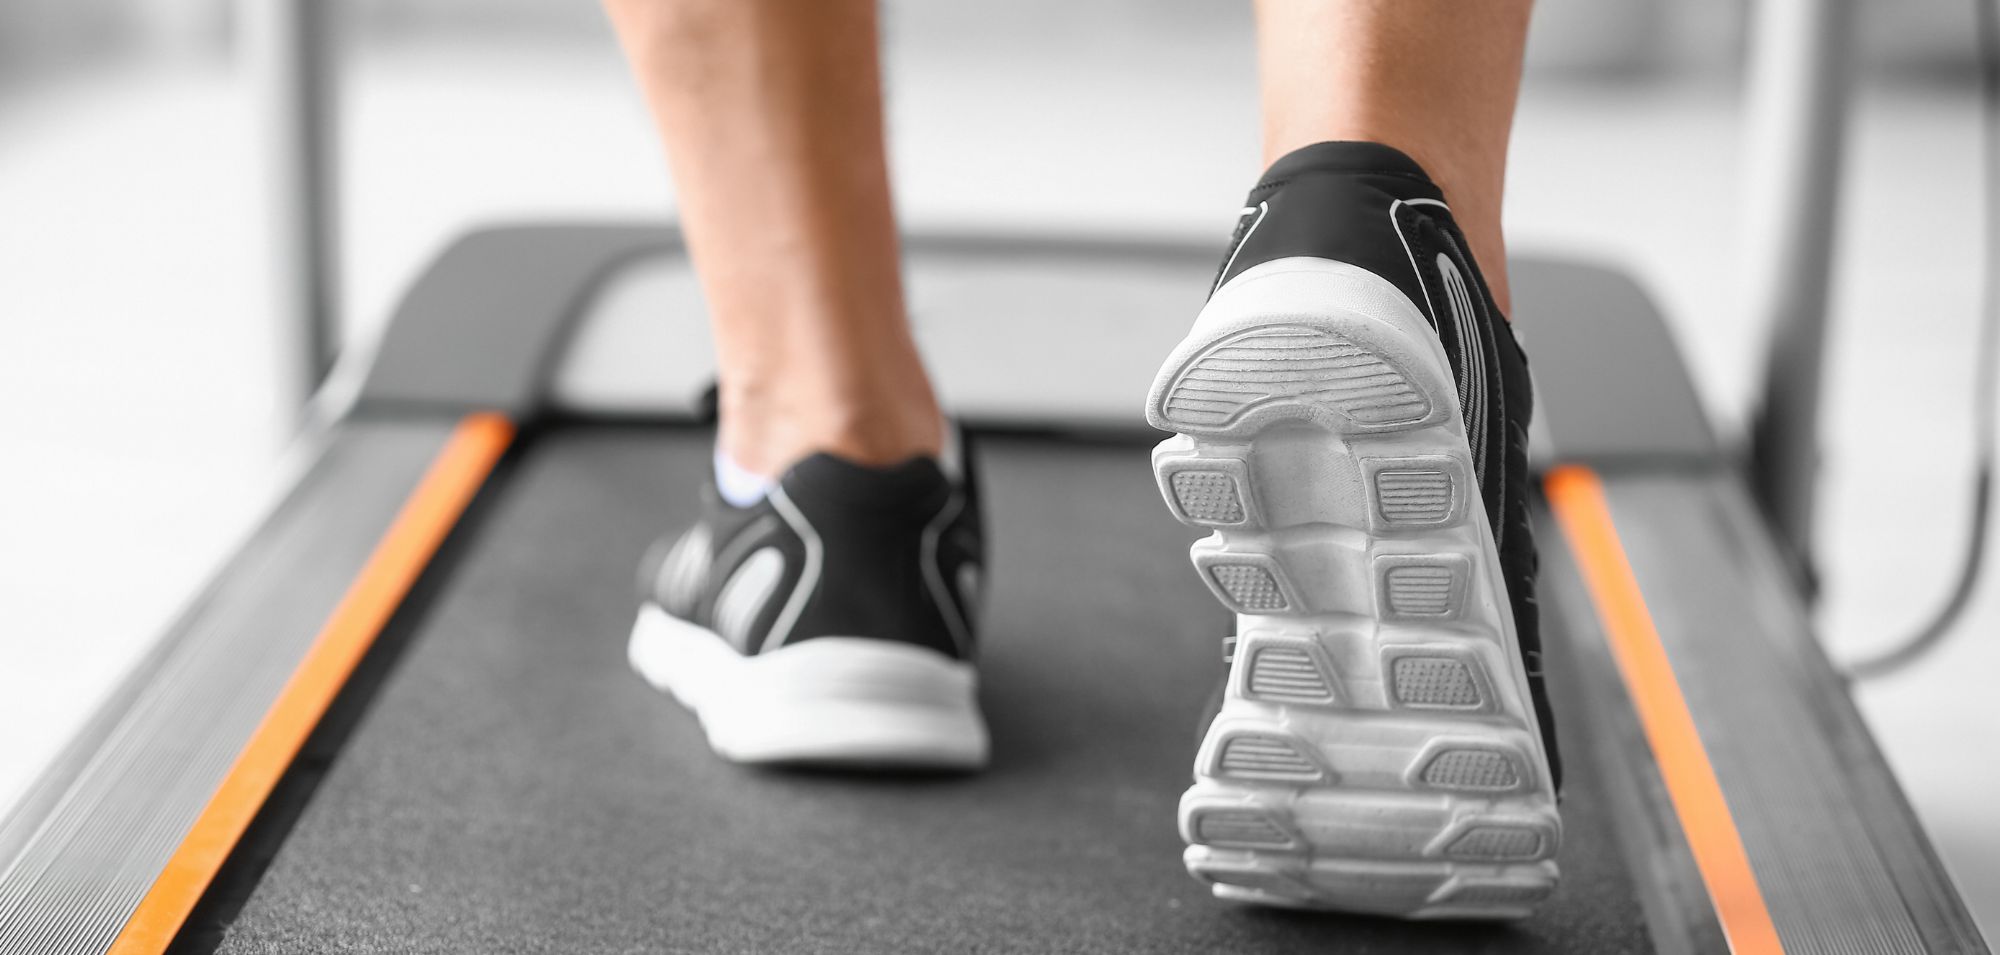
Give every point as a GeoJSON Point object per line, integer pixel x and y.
{"type": "Point", "coordinates": [1280, 362]}
{"type": "Point", "coordinates": [1413, 497]}
{"type": "Point", "coordinates": [1288, 675]}
{"type": "Point", "coordinates": [1471, 770]}
{"type": "Point", "coordinates": [1249, 588]}
{"type": "Point", "coordinates": [1210, 497]}
{"type": "Point", "coordinates": [1240, 827]}
{"type": "Point", "coordinates": [1259, 757]}
{"type": "Point", "coordinates": [1420, 590]}
{"type": "Point", "coordinates": [1435, 683]}
{"type": "Point", "coordinates": [1496, 843]}
{"type": "Point", "coordinates": [1375, 751]}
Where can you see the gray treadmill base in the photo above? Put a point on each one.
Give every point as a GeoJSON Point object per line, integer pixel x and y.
{"type": "Point", "coordinates": [516, 789]}
{"type": "Point", "coordinates": [1066, 333]}
{"type": "Point", "coordinates": [1028, 333]}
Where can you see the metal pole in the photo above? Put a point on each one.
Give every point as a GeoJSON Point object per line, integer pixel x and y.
{"type": "Point", "coordinates": [288, 47]}
{"type": "Point", "coordinates": [1800, 79]}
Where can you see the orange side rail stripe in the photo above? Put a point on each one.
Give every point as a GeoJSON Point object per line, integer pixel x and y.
{"type": "Point", "coordinates": [1577, 496]}
{"type": "Point", "coordinates": [405, 549]}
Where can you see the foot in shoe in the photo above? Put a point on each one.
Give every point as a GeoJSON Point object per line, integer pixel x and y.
{"type": "Point", "coordinates": [1351, 411]}
{"type": "Point", "coordinates": [829, 623]}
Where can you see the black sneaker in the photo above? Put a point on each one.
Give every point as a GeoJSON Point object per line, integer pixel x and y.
{"type": "Point", "coordinates": [1382, 741]}
{"type": "Point", "coordinates": [830, 623]}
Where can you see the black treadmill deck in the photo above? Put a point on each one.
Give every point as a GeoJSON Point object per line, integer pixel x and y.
{"type": "Point", "coordinates": [514, 787]}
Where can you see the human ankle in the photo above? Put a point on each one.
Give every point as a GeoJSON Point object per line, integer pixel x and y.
{"type": "Point", "coordinates": [767, 437]}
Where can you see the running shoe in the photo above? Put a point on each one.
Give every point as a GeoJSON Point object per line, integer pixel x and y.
{"type": "Point", "coordinates": [830, 623]}
{"type": "Point", "coordinates": [1351, 413]}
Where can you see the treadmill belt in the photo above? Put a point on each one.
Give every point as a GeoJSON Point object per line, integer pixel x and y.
{"type": "Point", "coordinates": [513, 787]}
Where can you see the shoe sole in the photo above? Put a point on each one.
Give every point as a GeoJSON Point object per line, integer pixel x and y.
{"type": "Point", "coordinates": [843, 702]}
{"type": "Point", "coordinates": [1376, 750]}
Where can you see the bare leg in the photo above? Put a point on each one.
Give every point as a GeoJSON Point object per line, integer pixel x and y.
{"type": "Point", "coordinates": [772, 117]}
{"type": "Point", "coordinates": [1436, 79]}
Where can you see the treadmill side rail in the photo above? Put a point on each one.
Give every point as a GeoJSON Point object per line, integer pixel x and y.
{"type": "Point", "coordinates": [1589, 694]}
{"type": "Point", "coordinates": [125, 832]}
{"type": "Point", "coordinates": [1838, 856]}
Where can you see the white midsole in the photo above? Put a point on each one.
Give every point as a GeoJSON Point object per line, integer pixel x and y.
{"type": "Point", "coordinates": [827, 699]}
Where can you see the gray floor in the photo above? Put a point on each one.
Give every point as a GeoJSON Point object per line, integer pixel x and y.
{"type": "Point", "coordinates": [515, 788]}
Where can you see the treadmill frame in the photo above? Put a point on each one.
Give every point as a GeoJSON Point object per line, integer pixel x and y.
{"type": "Point", "coordinates": [470, 353]}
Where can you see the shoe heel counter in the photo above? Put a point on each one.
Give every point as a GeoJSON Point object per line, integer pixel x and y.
{"type": "Point", "coordinates": [1293, 216]}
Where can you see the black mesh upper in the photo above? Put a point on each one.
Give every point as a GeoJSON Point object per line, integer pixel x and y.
{"type": "Point", "coordinates": [895, 554]}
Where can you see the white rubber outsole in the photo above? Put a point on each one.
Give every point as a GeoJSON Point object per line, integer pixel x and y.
{"type": "Point", "coordinates": [1376, 750]}
{"type": "Point", "coordinates": [829, 701]}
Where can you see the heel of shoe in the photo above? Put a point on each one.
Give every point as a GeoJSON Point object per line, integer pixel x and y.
{"type": "Point", "coordinates": [1305, 339]}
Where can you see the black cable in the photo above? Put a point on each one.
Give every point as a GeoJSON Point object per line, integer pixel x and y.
{"type": "Point", "coordinates": [1986, 376]}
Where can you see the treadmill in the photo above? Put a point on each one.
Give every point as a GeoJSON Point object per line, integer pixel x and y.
{"type": "Point", "coordinates": [400, 718]}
